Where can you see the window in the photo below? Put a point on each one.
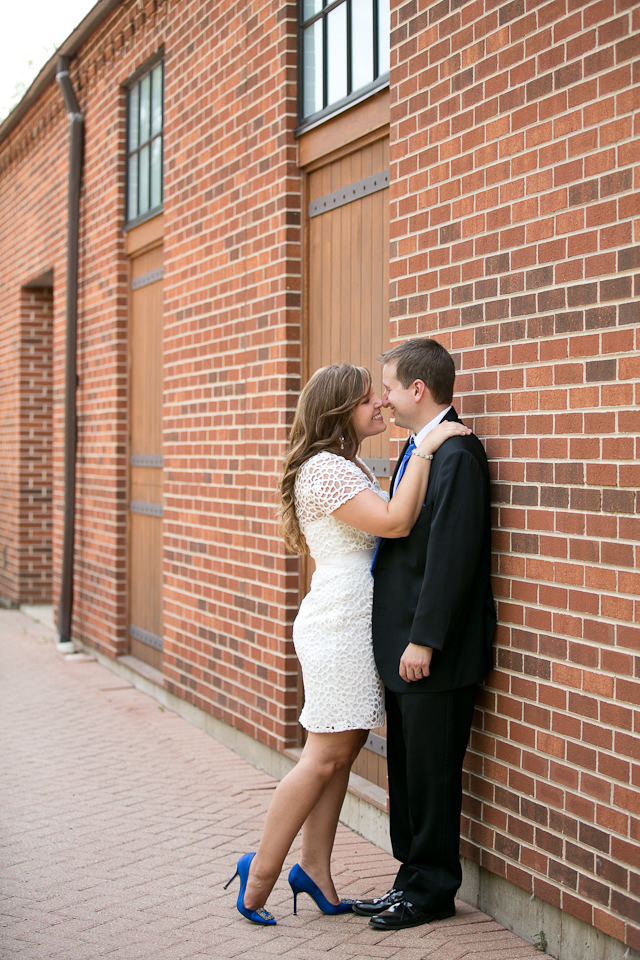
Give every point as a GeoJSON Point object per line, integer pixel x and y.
{"type": "Point", "coordinates": [145, 119]}
{"type": "Point", "coordinates": [344, 49]}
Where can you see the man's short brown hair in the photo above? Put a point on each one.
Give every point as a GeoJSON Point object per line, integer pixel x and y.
{"type": "Point", "coordinates": [426, 360]}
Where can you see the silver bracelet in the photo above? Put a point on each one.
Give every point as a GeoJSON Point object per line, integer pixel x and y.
{"type": "Point", "coordinates": [425, 456]}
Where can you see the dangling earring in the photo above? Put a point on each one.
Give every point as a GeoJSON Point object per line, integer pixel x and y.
{"type": "Point", "coordinates": [342, 443]}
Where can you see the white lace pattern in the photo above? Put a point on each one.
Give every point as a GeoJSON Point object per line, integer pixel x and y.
{"type": "Point", "coordinates": [332, 632]}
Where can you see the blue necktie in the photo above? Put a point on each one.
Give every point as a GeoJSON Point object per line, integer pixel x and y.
{"type": "Point", "coordinates": [403, 466]}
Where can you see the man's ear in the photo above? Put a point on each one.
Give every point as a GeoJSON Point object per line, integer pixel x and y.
{"type": "Point", "coordinates": [419, 390]}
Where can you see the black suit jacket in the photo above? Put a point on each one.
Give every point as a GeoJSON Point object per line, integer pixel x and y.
{"type": "Point", "coordinates": [432, 587]}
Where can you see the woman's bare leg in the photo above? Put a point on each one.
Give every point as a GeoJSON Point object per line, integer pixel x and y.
{"type": "Point", "coordinates": [319, 829]}
{"type": "Point", "coordinates": [325, 761]}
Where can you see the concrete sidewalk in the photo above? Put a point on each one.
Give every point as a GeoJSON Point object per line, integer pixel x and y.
{"type": "Point", "coordinates": [120, 822]}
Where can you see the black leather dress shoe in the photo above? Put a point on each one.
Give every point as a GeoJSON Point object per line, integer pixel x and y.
{"type": "Point", "coordinates": [404, 914]}
{"type": "Point", "coordinates": [369, 908]}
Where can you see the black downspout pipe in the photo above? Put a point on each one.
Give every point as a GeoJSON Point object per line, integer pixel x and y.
{"type": "Point", "coordinates": [76, 157]}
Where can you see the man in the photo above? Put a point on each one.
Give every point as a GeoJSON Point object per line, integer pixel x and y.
{"type": "Point", "coordinates": [433, 624]}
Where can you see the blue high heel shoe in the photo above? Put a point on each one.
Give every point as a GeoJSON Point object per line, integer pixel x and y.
{"type": "Point", "coordinates": [301, 883]}
{"type": "Point", "coordinates": [256, 916]}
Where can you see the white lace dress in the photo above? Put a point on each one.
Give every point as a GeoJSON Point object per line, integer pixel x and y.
{"type": "Point", "coordinates": [332, 632]}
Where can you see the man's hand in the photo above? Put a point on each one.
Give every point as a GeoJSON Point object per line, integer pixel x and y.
{"type": "Point", "coordinates": [415, 662]}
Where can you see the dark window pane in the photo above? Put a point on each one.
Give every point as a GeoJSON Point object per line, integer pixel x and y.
{"type": "Point", "coordinates": [384, 31]}
{"type": "Point", "coordinates": [144, 180]}
{"type": "Point", "coordinates": [132, 173]}
{"type": "Point", "coordinates": [337, 53]}
{"type": "Point", "coordinates": [156, 172]}
{"type": "Point", "coordinates": [145, 123]}
{"type": "Point", "coordinates": [133, 118]}
{"type": "Point", "coordinates": [156, 100]}
{"type": "Point", "coordinates": [312, 90]}
{"type": "Point", "coordinates": [145, 108]}
{"type": "Point", "coordinates": [361, 43]}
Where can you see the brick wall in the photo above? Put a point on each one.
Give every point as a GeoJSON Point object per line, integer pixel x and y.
{"type": "Point", "coordinates": [9, 447]}
{"type": "Point", "coordinates": [514, 205]}
{"type": "Point", "coordinates": [36, 446]}
{"type": "Point", "coordinates": [232, 340]}
{"type": "Point", "coordinates": [32, 227]}
{"type": "Point", "coordinates": [232, 372]}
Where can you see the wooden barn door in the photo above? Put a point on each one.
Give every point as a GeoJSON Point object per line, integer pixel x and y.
{"type": "Point", "coordinates": [346, 279]}
{"type": "Point", "coordinates": [145, 445]}
{"type": "Point", "coordinates": [348, 268]}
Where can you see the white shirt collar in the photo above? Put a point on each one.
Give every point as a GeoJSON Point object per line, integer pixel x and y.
{"type": "Point", "coordinates": [419, 437]}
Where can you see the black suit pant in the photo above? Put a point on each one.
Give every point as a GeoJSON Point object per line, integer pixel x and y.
{"type": "Point", "coordinates": [427, 736]}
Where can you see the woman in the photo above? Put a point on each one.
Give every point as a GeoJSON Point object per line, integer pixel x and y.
{"type": "Point", "coordinates": [335, 507]}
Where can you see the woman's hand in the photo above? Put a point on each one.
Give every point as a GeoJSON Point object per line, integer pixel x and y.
{"type": "Point", "coordinates": [367, 511]}
{"type": "Point", "coordinates": [436, 437]}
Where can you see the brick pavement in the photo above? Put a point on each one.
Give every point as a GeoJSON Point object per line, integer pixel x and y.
{"type": "Point", "coordinates": [121, 821]}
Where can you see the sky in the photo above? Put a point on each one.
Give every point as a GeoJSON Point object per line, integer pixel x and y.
{"type": "Point", "coordinates": [33, 29]}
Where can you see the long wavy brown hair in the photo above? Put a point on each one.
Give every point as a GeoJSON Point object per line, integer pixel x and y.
{"type": "Point", "coordinates": [322, 422]}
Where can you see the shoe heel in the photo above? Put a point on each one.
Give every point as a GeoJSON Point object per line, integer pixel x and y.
{"type": "Point", "coordinates": [301, 883]}
{"type": "Point", "coordinates": [230, 881]}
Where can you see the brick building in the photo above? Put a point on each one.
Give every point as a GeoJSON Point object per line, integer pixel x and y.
{"type": "Point", "coordinates": [492, 152]}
